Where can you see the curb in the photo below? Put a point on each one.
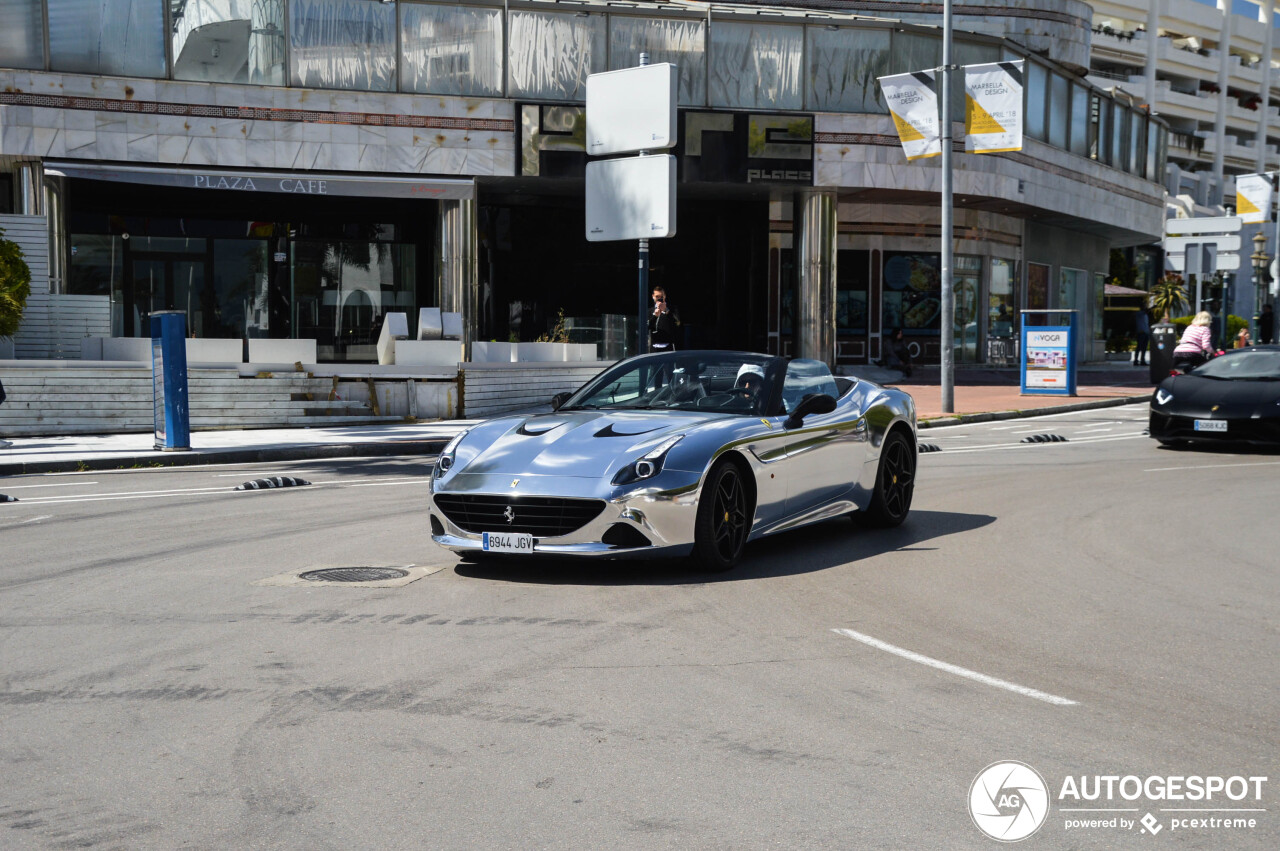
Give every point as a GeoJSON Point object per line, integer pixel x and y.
{"type": "Point", "coordinates": [228, 456]}
{"type": "Point", "coordinates": [990, 416]}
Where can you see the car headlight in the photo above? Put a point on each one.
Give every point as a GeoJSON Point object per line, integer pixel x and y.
{"type": "Point", "coordinates": [1163, 397]}
{"type": "Point", "coordinates": [444, 461]}
{"type": "Point", "coordinates": [647, 465]}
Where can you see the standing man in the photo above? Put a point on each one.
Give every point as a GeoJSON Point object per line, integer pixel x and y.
{"type": "Point", "coordinates": [1267, 325]}
{"type": "Point", "coordinates": [1142, 331]}
{"type": "Point", "coordinates": [663, 323]}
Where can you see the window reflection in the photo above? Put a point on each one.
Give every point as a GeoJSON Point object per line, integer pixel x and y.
{"type": "Point", "coordinates": [843, 66]}
{"type": "Point", "coordinates": [342, 44]}
{"type": "Point", "coordinates": [451, 50]}
{"type": "Point", "coordinates": [755, 66]}
{"type": "Point", "coordinates": [678, 42]}
{"type": "Point", "coordinates": [123, 37]}
{"type": "Point", "coordinates": [21, 34]}
{"type": "Point", "coordinates": [228, 41]}
{"type": "Point", "coordinates": [551, 55]}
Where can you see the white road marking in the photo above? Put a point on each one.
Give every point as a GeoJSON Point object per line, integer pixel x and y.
{"type": "Point", "coordinates": [1211, 467]}
{"type": "Point", "coordinates": [956, 669]}
{"type": "Point", "coordinates": [63, 485]}
{"type": "Point", "coordinates": [35, 519]}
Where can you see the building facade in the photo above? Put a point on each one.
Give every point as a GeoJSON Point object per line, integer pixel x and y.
{"type": "Point", "coordinates": [300, 168]}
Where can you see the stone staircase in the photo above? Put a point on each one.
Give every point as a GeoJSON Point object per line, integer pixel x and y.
{"type": "Point", "coordinates": [69, 399]}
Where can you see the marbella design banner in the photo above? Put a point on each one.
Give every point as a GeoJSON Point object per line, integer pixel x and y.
{"type": "Point", "coordinates": [1253, 198]}
{"type": "Point", "coordinates": [913, 102]}
{"type": "Point", "coordinates": [993, 107]}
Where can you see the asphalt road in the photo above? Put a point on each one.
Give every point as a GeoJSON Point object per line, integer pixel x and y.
{"type": "Point", "coordinates": [1102, 607]}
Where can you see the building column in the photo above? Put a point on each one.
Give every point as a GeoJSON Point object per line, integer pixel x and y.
{"type": "Point", "coordinates": [55, 193]}
{"type": "Point", "coordinates": [814, 221]}
{"type": "Point", "coordinates": [1220, 119]}
{"type": "Point", "coordinates": [28, 188]}
{"type": "Point", "coordinates": [1266, 14]}
{"type": "Point", "coordinates": [458, 267]}
{"type": "Point", "coordinates": [1153, 51]}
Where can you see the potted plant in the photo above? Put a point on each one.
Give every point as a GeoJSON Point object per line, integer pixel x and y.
{"type": "Point", "coordinates": [15, 286]}
{"type": "Point", "coordinates": [1168, 296]}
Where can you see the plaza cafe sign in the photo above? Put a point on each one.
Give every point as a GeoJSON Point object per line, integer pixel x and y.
{"type": "Point", "coordinates": [371, 186]}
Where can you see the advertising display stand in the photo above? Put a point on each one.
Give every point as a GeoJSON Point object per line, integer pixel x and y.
{"type": "Point", "coordinates": [1049, 355]}
{"type": "Point", "coordinates": [172, 414]}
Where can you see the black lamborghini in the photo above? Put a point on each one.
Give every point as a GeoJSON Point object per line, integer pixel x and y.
{"type": "Point", "coordinates": [1234, 398]}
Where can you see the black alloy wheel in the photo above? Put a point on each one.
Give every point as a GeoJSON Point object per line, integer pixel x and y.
{"type": "Point", "coordinates": [724, 519]}
{"type": "Point", "coordinates": [895, 483]}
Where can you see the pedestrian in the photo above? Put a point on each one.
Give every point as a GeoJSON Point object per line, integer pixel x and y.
{"type": "Point", "coordinates": [663, 323]}
{"type": "Point", "coordinates": [1196, 345]}
{"type": "Point", "coordinates": [1243, 340]}
{"type": "Point", "coordinates": [1142, 335]}
{"type": "Point", "coordinates": [897, 354]}
{"type": "Point", "coordinates": [1267, 325]}
{"type": "Point", "coordinates": [3, 443]}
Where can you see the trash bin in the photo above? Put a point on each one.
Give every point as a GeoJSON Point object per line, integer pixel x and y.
{"type": "Point", "coordinates": [1164, 337]}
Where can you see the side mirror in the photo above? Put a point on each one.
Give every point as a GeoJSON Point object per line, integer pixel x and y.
{"type": "Point", "coordinates": [558, 400]}
{"type": "Point", "coordinates": [814, 403]}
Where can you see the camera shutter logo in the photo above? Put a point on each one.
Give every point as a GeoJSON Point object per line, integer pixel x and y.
{"type": "Point", "coordinates": [1008, 801]}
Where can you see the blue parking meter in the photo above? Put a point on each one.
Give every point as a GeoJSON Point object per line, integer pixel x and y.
{"type": "Point", "coordinates": [172, 414]}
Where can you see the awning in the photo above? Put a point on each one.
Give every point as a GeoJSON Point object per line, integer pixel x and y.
{"type": "Point", "coordinates": [1116, 289]}
{"type": "Point", "coordinates": [279, 182]}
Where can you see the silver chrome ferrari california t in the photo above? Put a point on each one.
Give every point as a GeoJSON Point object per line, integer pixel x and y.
{"type": "Point", "coordinates": [675, 454]}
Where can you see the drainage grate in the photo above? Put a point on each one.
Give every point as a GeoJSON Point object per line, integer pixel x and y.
{"type": "Point", "coordinates": [354, 574]}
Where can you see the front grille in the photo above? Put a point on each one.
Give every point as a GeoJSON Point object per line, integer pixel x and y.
{"type": "Point", "coordinates": [540, 516]}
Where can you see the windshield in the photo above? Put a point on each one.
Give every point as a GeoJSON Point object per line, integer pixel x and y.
{"type": "Point", "coordinates": [724, 382]}
{"type": "Point", "coordinates": [1243, 365]}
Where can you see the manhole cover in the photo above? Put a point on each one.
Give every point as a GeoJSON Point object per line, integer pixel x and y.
{"type": "Point", "coordinates": [354, 574]}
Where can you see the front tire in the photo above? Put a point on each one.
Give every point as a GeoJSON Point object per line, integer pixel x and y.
{"type": "Point", "coordinates": [895, 483]}
{"type": "Point", "coordinates": [724, 519]}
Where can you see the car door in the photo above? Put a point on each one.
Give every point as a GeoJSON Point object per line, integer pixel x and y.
{"type": "Point", "coordinates": [825, 453]}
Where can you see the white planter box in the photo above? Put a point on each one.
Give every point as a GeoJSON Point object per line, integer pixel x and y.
{"type": "Point", "coordinates": [90, 348]}
{"type": "Point", "coordinates": [205, 350]}
{"type": "Point", "coordinates": [582, 352]}
{"type": "Point", "coordinates": [541, 352]}
{"type": "Point", "coordinates": [445, 353]}
{"type": "Point", "coordinates": [6, 349]}
{"type": "Point", "coordinates": [126, 348]}
{"type": "Point", "coordinates": [281, 351]}
{"type": "Point", "coordinates": [493, 352]}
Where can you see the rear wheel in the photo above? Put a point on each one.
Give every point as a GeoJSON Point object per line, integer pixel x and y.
{"type": "Point", "coordinates": [724, 518]}
{"type": "Point", "coordinates": [895, 483]}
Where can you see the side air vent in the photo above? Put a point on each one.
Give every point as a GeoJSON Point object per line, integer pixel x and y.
{"type": "Point", "coordinates": [625, 537]}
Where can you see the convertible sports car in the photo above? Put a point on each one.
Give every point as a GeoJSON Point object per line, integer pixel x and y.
{"type": "Point", "coordinates": [678, 453]}
{"type": "Point", "coordinates": [1234, 398]}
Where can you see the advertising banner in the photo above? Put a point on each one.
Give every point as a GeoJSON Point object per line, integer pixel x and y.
{"type": "Point", "coordinates": [993, 107]}
{"type": "Point", "coordinates": [1253, 198]}
{"type": "Point", "coordinates": [1048, 360]}
{"type": "Point", "coordinates": [913, 102]}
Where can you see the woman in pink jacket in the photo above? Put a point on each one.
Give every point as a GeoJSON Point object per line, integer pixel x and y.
{"type": "Point", "coordinates": [1196, 345]}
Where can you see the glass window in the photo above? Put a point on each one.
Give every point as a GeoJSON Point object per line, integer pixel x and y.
{"type": "Point", "coordinates": [1001, 309]}
{"type": "Point", "coordinates": [967, 284]}
{"type": "Point", "coordinates": [1099, 302]}
{"type": "Point", "coordinates": [756, 66]}
{"type": "Point", "coordinates": [914, 52]}
{"type": "Point", "coordinates": [1070, 284]}
{"type": "Point", "coordinates": [806, 378]}
{"type": "Point", "coordinates": [1037, 286]}
{"type": "Point", "coordinates": [450, 50]}
{"type": "Point", "coordinates": [853, 272]}
{"type": "Point", "coordinates": [342, 44]}
{"type": "Point", "coordinates": [1099, 145]}
{"type": "Point", "coordinates": [21, 34]}
{"type": "Point", "coordinates": [1037, 95]}
{"type": "Point", "coordinates": [1059, 110]}
{"type": "Point", "coordinates": [123, 37]}
{"type": "Point", "coordinates": [238, 297]}
{"type": "Point", "coordinates": [1119, 128]}
{"type": "Point", "coordinates": [551, 54]}
{"type": "Point", "coordinates": [681, 42]}
{"type": "Point", "coordinates": [967, 53]}
{"type": "Point", "coordinates": [1138, 144]}
{"type": "Point", "coordinates": [843, 66]}
{"type": "Point", "coordinates": [1080, 121]}
{"type": "Point", "coordinates": [912, 298]}
{"type": "Point", "coordinates": [235, 41]}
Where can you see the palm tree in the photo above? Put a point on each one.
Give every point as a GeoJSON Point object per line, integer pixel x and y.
{"type": "Point", "coordinates": [15, 286]}
{"type": "Point", "coordinates": [1168, 296]}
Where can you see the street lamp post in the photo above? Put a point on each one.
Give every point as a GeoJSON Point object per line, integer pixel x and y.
{"type": "Point", "coordinates": [1260, 261]}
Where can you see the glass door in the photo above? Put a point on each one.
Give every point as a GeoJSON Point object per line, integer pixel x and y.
{"type": "Point", "coordinates": [164, 283]}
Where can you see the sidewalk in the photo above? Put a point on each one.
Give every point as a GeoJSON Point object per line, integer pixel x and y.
{"type": "Point", "coordinates": [980, 394]}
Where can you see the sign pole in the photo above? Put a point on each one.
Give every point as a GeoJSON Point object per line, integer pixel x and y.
{"type": "Point", "coordinates": [948, 290]}
{"type": "Point", "coordinates": [642, 297]}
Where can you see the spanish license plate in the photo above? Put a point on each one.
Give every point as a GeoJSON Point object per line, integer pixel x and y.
{"type": "Point", "coordinates": [1211, 425]}
{"type": "Point", "coordinates": [507, 542]}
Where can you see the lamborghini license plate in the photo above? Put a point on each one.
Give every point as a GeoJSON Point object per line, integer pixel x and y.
{"type": "Point", "coordinates": [1211, 425]}
{"type": "Point", "coordinates": [507, 542]}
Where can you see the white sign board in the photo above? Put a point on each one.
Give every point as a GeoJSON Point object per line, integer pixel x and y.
{"type": "Point", "coordinates": [1222, 231]}
{"type": "Point", "coordinates": [631, 198]}
{"type": "Point", "coordinates": [1217, 224]}
{"type": "Point", "coordinates": [633, 109]}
